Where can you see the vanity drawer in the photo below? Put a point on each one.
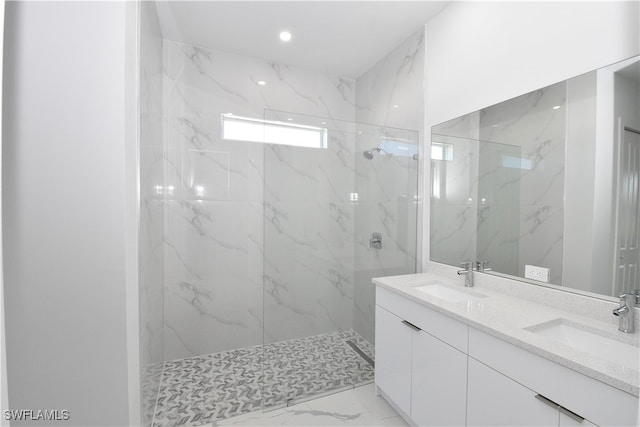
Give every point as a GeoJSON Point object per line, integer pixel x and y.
{"type": "Point", "coordinates": [440, 326]}
{"type": "Point", "coordinates": [585, 396]}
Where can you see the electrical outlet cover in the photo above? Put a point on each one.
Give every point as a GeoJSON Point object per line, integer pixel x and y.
{"type": "Point", "coordinates": [541, 274]}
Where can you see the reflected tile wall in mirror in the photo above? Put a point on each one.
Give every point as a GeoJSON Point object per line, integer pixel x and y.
{"type": "Point", "coordinates": [499, 197]}
{"type": "Point", "coordinates": [547, 189]}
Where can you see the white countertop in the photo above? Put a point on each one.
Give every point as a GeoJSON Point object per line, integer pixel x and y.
{"type": "Point", "coordinates": [506, 317]}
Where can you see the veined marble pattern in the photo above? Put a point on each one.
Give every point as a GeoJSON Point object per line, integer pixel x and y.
{"type": "Point", "coordinates": [514, 178]}
{"type": "Point", "coordinates": [454, 190]}
{"type": "Point", "coordinates": [389, 94]}
{"type": "Point", "coordinates": [498, 205]}
{"type": "Point", "coordinates": [453, 202]}
{"type": "Point", "coordinates": [534, 124]}
{"type": "Point", "coordinates": [236, 207]}
{"type": "Point", "coordinates": [308, 238]}
{"type": "Point", "coordinates": [238, 213]}
{"type": "Point", "coordinates": [198, 390]}
{"type": "Point", "coordinates": [357, 407]}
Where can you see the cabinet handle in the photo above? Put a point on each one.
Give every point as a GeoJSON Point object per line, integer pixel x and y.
{"type": "Point", "coordinates": [411, 325]}
{"type": "Point", "coordinates": [571, 414]}
{"type": "Point", "coordinates": [547, 402]}
{"type": "Point", "coordinates": [561, 408]}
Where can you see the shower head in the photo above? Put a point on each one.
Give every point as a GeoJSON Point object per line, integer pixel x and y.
{"type": "Point", "coordinates": [369, 153]}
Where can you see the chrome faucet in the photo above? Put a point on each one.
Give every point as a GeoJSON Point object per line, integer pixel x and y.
{"type": "Point", "coordinates": [467, 273]}
{"type": "Point", "coordinates": [625, 312]}
{"type": "Point", "coordinates": [482, 265]}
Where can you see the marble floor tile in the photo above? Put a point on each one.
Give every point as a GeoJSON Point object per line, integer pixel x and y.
{"type": "Point", "coordinates": [356, 407]}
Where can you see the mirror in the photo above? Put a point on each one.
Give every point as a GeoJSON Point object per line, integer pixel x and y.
{"type": "Point", "coordinates": [544, 187]}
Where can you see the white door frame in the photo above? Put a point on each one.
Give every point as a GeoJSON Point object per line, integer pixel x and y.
{"type": "Point", "coordinates": [621, 130]}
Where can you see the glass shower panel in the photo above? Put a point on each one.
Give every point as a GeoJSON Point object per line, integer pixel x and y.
{"type": "Point", "coordinates": [454, 188]}
{"type": "Point", "coordinates": [386, 182]}
{"type": "Point", "coordinates": [498, 203]}
{"type": "Point", "coordinates": [315, 339]}
{"type": "Point", "coordinates": [475, 201]}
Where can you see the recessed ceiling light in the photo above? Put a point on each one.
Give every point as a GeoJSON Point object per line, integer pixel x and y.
{"type": "Point", "coordinates": [285, 36]}
{"type": "Point", "coordinates": [556, 107]}
{"type": "Point", "coordinates": [395, 106]}
{"type": "Point", "coordinates": [290, 119]}
{"type": "Point", "coordinates": [262, 82]}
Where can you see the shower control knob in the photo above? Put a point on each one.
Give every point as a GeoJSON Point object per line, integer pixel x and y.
{"type": "Point", "coordinates": [375, 241]}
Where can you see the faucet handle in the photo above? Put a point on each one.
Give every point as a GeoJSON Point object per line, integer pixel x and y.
{"type": "Point", "coordinates": [625, 312]}
{"type": "Point", "coordinates": [467, 265]}
{"type": "Point", "coordinates": [625, 296]}
{"type": "Point", "coordinates": [481, 265]}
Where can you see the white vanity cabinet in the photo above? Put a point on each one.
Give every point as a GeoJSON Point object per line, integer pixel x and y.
{"type": "Point", "coordinates": [568, 421]}
{"type": "Point", "coordinates": [440, 371]}
{"type": "Point", "coordinates": [393, 358]}
{"type": "Point", "coordinates": [573, 395]}
{"type": "Point", "coordinates": [439, 374]}
{"type": "Point", "coordinates": [496, 400]}
{"type": "Point", "coordinates": [424, 376]}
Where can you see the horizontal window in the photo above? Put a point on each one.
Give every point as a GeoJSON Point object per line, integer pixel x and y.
{"type": "Point", "coordinates": [516, 162]}
{"type": "Point", "coordinates": [399, 146]}
{"type": "Point", "coordinates": [255, 130]}
{"type": "Point", "coordinates": [442, 151]}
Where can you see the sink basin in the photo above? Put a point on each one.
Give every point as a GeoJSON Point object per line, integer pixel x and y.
{"type": "Point", "coordinates": [591, 341]}
{"type": "Point", "coordinates": [446, 293]}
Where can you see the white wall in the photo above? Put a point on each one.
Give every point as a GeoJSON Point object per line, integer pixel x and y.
{"type": "Point", "coordinates": [132, 166]}
{"type": "Point", "coordinates": [64, 209]}
{"type": "Point", "coordinates": [481, 53]}
{"type": "Point", "coordinates": [4, 393]}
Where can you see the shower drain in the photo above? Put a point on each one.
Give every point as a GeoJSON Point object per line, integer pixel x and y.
{"type": "Point", "coordinates": [355, 348]}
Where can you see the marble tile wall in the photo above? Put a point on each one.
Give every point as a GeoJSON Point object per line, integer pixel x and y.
{"type": "Point", "coordinates": [454, 190]}
{"type": "Point", "coordinates": [498, 206]}
{"type": "Point", "coordinates": [509, 162]}
{"type": "Point", "coordinates": [221, 192]}
{"type": "Point", "coordinates": [309, 233]}
{"type": "Point", "coordinates": [390, 94]}
{"type": "Point", "coordinates": [453, 197]}
{"type": "Point", "coordinates": [535, 123]}
{"type": "Point", "coordinates": [151, 252]}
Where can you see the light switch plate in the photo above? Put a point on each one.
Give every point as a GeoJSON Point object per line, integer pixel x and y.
{"type": "Point", "coordinates": [541, 274]}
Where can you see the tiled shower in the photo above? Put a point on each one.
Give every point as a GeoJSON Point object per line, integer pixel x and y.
{"type": "Point", "coordinates": [255, 258]}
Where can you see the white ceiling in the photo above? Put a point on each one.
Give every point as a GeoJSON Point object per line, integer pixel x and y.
{"type": "Point", "coordinates": [339, 37]}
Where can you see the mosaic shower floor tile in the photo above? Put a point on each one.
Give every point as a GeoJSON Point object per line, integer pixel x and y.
{"type": "Point", "coordinates": [203, 389]}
